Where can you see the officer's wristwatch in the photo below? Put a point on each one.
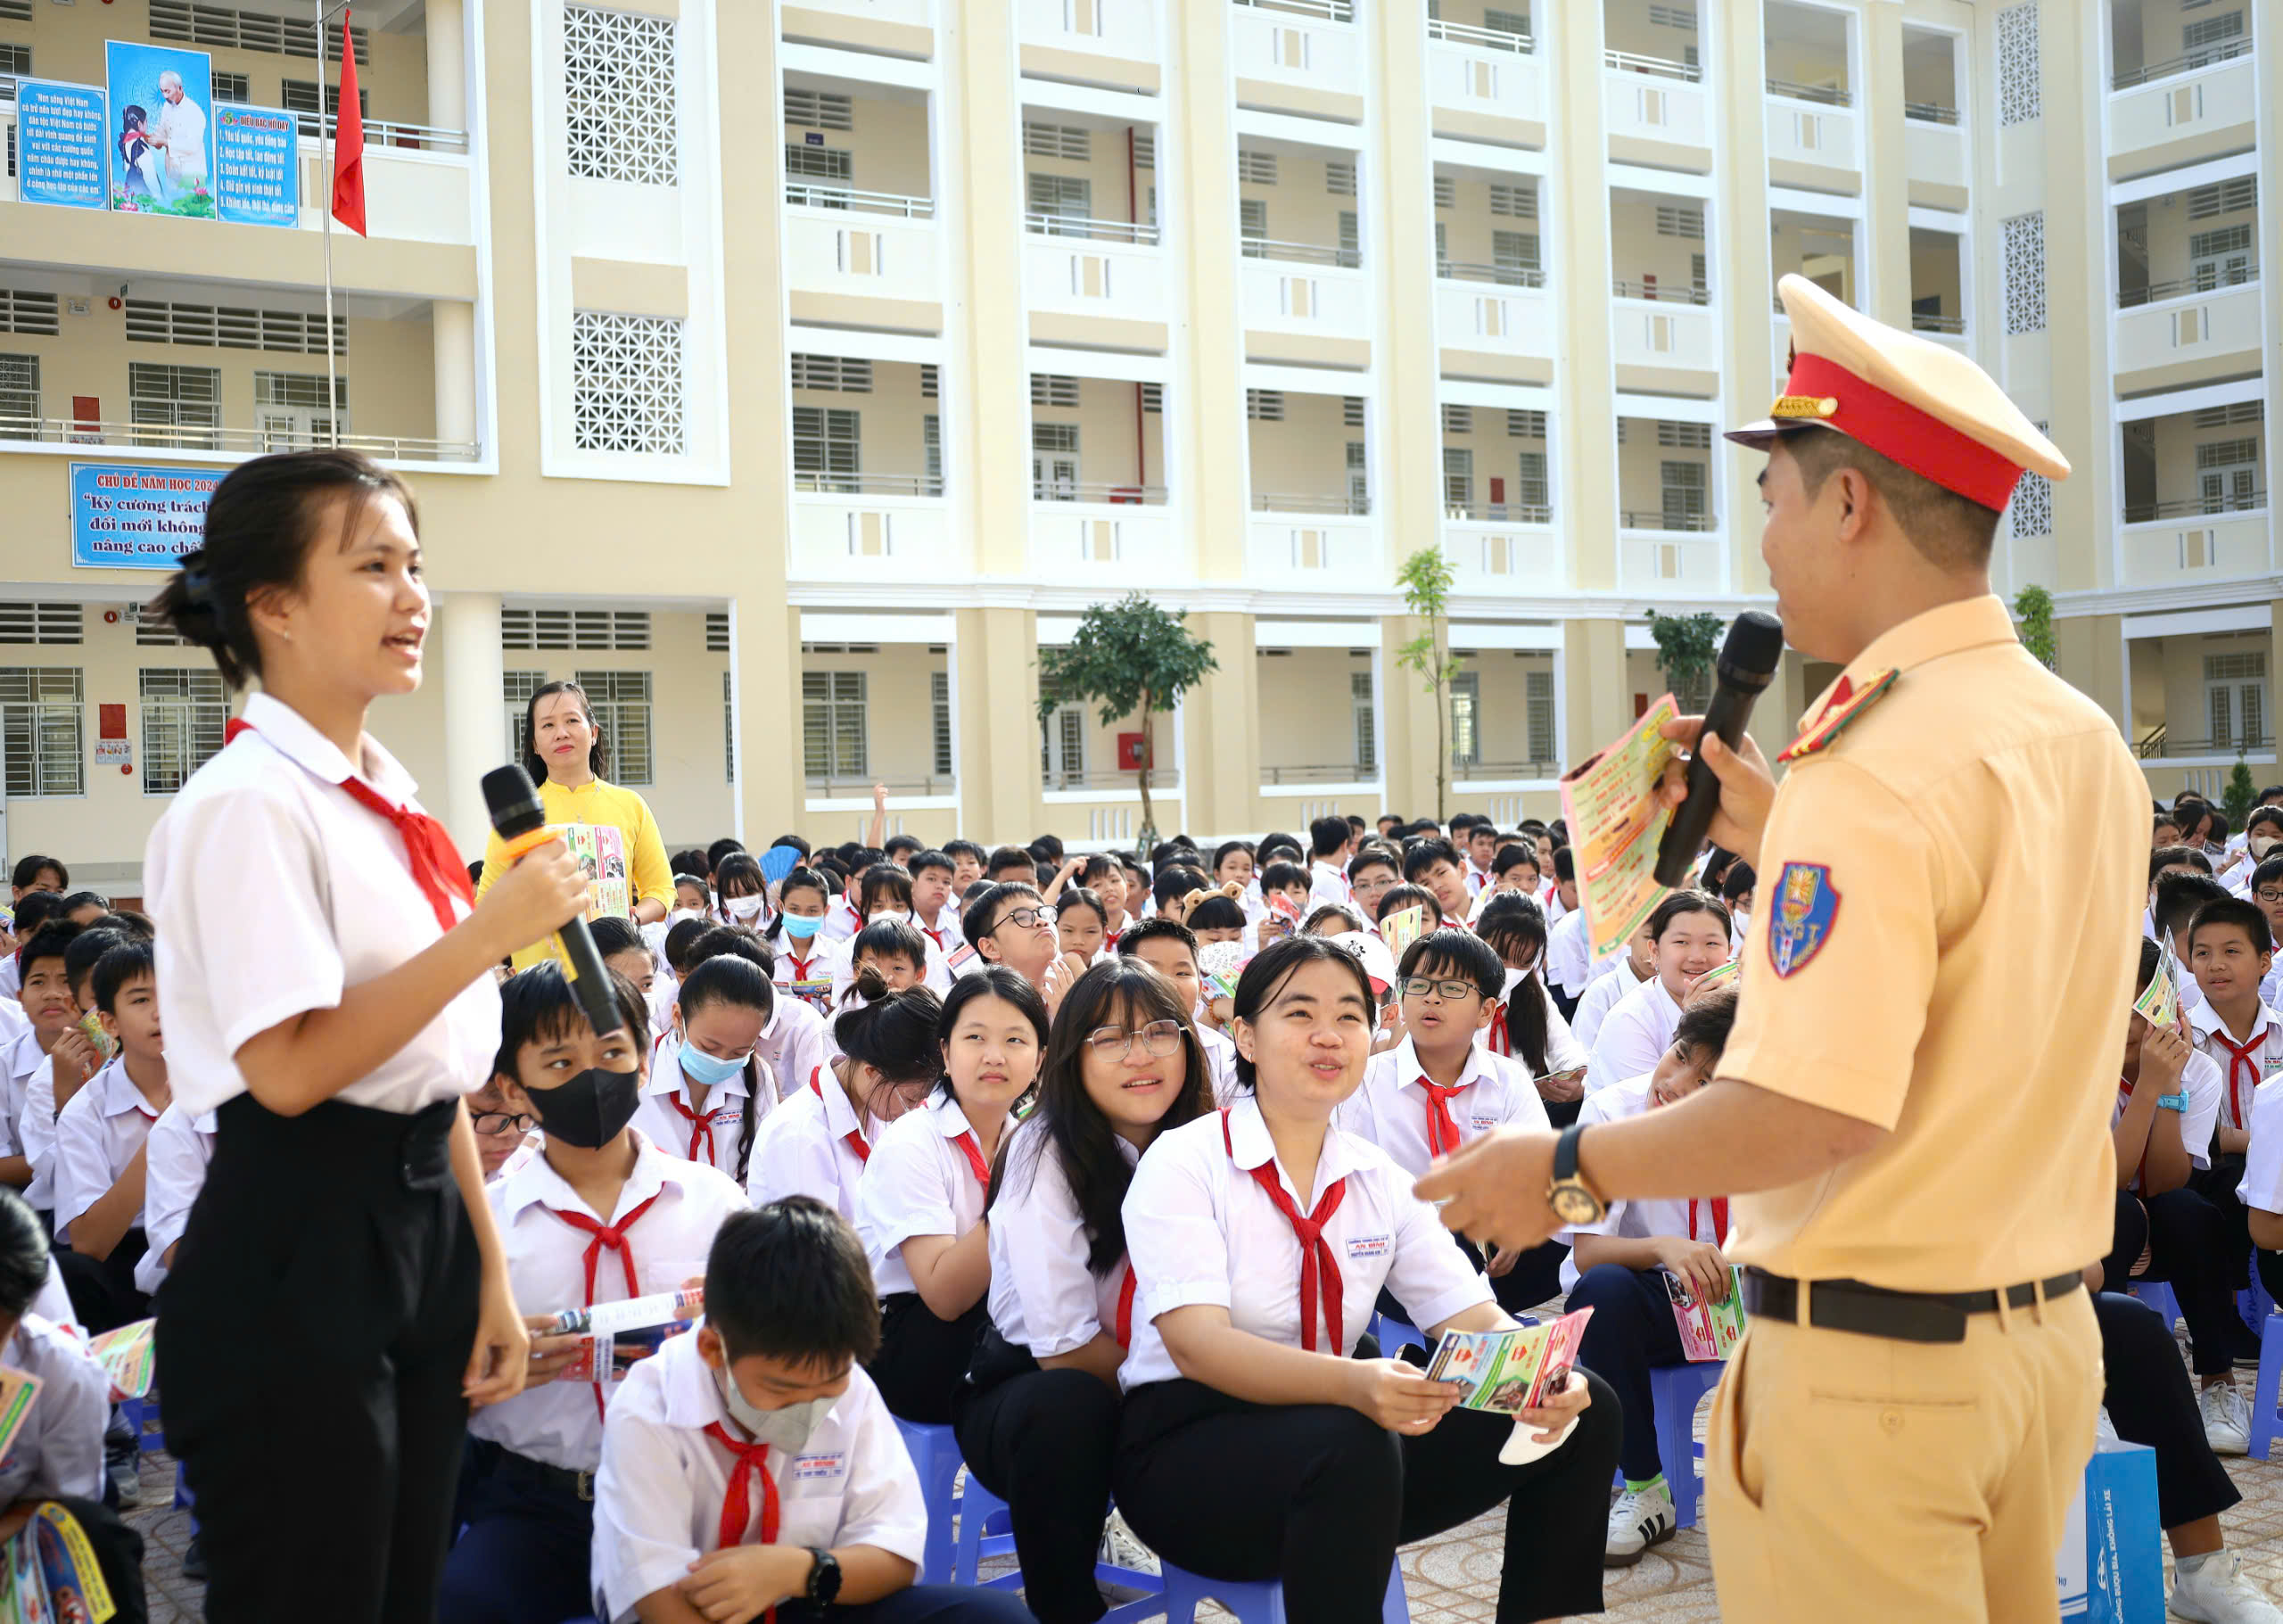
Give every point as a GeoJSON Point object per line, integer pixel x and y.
{"type": "Point", "coordinates": [824, 1578]}
{"type": "Point", "coordinates": [1572, 1199]}
{"type": "Point", "coordinates": [2173, 1102]}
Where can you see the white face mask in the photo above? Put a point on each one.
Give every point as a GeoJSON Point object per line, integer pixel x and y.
{"type": "Point", "coordinates": [675, 916]}
{"type": "Point", "coordinates": [787, 1428]}
{"type": "Point", "coordinates": [742, 908]}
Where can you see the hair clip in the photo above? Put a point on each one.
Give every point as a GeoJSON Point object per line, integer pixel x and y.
{"type": "Point", "coordinates": [196, 590]}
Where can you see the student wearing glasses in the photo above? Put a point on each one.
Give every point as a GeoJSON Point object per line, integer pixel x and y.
{"type": "Point", "coordinates": [1012, 924]}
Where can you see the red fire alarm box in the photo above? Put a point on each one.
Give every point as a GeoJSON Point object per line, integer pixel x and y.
{"type": "Point", "coordinates": [111, 722]}
{"type": "Point", "coordinates": [1129, 751]}
{"type": "Point", "coordinates": [1497, 490]}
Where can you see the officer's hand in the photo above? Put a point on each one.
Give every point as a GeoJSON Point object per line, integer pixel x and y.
{"type": "Point", "coordinates": [2163, 1056]}
{"type": "Point", "coordinates": [1747, 785]}
{"type": "Point", "coordinates": [1494, 1188]}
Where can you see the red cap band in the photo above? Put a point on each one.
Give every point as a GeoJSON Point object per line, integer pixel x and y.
{"type": "Point", "coordinates": [1919, 441]}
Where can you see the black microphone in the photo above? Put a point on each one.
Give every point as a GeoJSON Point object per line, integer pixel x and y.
{"type": "Point", "coordinates": [515, 811]}
{"type": "Point", "coordinates": [1747, 664]}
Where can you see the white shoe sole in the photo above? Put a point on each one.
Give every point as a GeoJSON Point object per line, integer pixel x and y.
{"type": "Point", "coordinates": [1615, 1558]}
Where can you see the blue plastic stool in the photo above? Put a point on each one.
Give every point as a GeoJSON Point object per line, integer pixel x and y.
{"type": "Point", "coordinates": [935, 1454]}
{"type": "Point", "coordinates": [2264, 1425]}
{"type": "Point", "coordinates": [2158, 1296]}
{"type": "Point", "coordinates": [2256, 1303]}
{"type": "Point", "coordinates": [1393, 1334]}
{"type": "Point", "coordinates": [143, 1414]}
{"type": "Point", "coordinates": [1259, 1603]}
{"type": "Point", "coordinates": [983, 1515]}
{"type": "Point", "coordinates": [1676, 1390]}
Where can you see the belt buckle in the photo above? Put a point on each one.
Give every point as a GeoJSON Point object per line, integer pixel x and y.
{"type": "Point", "coordinates": [585, 1488]}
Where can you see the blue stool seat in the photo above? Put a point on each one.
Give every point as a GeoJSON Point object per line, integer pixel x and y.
{"type": "Point", "coordinates": [143, 1415]}
{"type": "Point", "coordinates": [2264, 1394]}
{"type": "Point", "coordinates": [984, 1520]}
{"type": "Point", "coordinates": [1392, 1334]}
{"type": "Point", "coordinates": [935, 1454]}
{"type": "Point", "coordinates": [2158, 1296]}
{"type": "Point", "coordinates": [1676, 1390]}
{"type": "Point", "coordinates": [1259, 1603]}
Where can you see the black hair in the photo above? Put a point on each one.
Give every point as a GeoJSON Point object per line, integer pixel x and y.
{"type": "Point", "coordinates": [731, 978]}
{"type": "Point", "coordinates": [121, 963]}
{"type": "Point", "coordinates": [35, 908]}
{"type": "Point", "coordinates": [789, 1281]}
{"type": "Point", "coordinates": [691, 862]}
{"type": "Point", "coordinates": [957, 849]}
{"type": "Point", "coordinates": [1707, 1019]}
{"type": "Point", "coordinates": [2263, 815]}
{"type": "Point", "coordinates": [899, 844]}
{"type": "Point", "coordinates": [1172, 884]}
{"type": "Point", "coordinates": [1274, 965]}
{"type": "Point", "coordinates": [1079, 896]}
{"type": "Point", "coordinates": [1010, 857]}
{"type": "Point", "coordinates": [929, 858]}
{"type": "Point", "coordinates": [85, 951]}
{"type": "Point", "coordinates": [260, 524]}
{"type": "Point", "coordinates": [538, 1005]}
{"type": "Point", "coordinates": [1395, 899]}
{"type": "Point", "coordinates": [1047, 848]}
{"type": "Point", "coordinates": [1228, 849]}
{"type": "Point", "coordinates": [2178, 898]}
{"type": "Point", "coordinates": [534, 763]}
{"type": "Point", "coordinates": [614, 935]}
{"type": "Point", "coordinates": [2151, 956]}
{"type": "Point", "coordinates": [1565, 865]}
{"type": "Point", "coordinates": [895, 1034]}
{"type": "Point", "coordinates": [1739, 878]}
{"type": "Point", "coordinates": [52, 940]}
{"type": "Point", "coordinates": [891, 938]}
{"type": "Point", "coordinates": [1373, 856]}
{"type": "Point", "coordinates": [1716, 862]}
{"type": "Point", "coordinates": [986, 902]}
{"type": "Point", "coordinates": [801, 878]}
{"type": "Point", "coordinates": [1265, 852]}
{"type": "Point", "coordinates": [745, 869]}
{"type": "Point", "coordinates": [1283, 877]}
{"type": "Point", "coordinates": [1421, 856]}
{"type": "Point", "coordinates": [2269, 870]}
{"type": "Point", "coordinates": [2235, 910]}
{"type": "Point", "coordinates": [1514, 927]}
{"type": "Point", "coordinates": [996, 981]}
{"type": "Point", "coordinates": [890, 881]}
{"type": "Point", "coordinates": [1457, 954]}
{"type": "Point", "coordinates": [1949, 531]}
{"type": "Point", "coordinates": [1097, 865]}
{"type": "Point", "coordinates": [1679, 904]}
{"type": "Point", "coordinates": [1326, 836]}
{"type": "Point", "coordinates": [77, 900]}
{"type": "Point", "coordinates": [1348, 918]}
{"type": "Point", "coordinates": [126, 923]}
{"type": "Point", "coordinates": [23, 1256]}
{"type": "Point", "coordinates": [1157, 929]}
{"type": "Point", "coordinates": [725, 846]}
{"type": "Point", "coordinates": [1066, 1116]}
{"type": "Point", "coordinates": [2177, 857]}
{"type": "Point", "coordinates": [1216, 912]}
{"type": "Point", "coordinates": [28, 869]}
{"type": "Point", "coordinates": [1512, 856]}
{"type": "Point", "coordinates": [2219, 831]}
{"type": "Point", "coordinates": [680, 936]}
{"type": "Point", "coordinates": [731, 942]}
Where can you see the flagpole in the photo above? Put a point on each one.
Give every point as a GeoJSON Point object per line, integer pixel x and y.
{"type": "Point", "coordinates": [326, 142]}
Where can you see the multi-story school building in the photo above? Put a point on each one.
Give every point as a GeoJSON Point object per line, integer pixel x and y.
{"type": "Point", "coordinates": [791, 373]}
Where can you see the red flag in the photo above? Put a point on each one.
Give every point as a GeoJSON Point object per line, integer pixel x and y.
{"type": "Point", "coordinates": [348, 143]}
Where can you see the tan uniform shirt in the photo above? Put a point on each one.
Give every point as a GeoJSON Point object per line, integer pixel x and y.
{"type": "Point", "coordinates": [1945, 945]}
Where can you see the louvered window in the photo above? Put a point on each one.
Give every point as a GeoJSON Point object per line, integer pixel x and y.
{"type": "Point", "coordinates": [1526, 424]}
{"type": "Point", "coordinates": [1072, 143]}
{"type": "Point", "coordinates": [833, 742]}
{"type": "Point", "coordinates": [1053, 389]}
{"type": "Point", "coordinates": [578, 628]}
{"type": "Point", "coordinates": [621, 700]}
{"type": "Point", "coordinates": [1256, 169]}
{"type": "Point", "coordinates": [21, 311]}
{"type": "Point", "coordinates": [185, 714]}
{"type": "Point", "coordinates": [33, 621]}
{"type": "Point", "coordinates": [40, 725]}
{"type": "Point", "coordinates": [818, 110]}
{"type": "Point", "coordinates": [845, 373]}
{"type": "Point", "coordinates": [2224, 197]}
{"type": "Point", "coordinates": [717, 631]}
{"type": "Point", "coordinates": [1264, 405]}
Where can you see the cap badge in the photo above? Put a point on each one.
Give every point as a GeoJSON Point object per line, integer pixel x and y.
{"type": "Point", "coordinates": [1804, 406]}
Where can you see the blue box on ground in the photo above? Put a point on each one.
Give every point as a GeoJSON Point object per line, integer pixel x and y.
{"type": "Point", "coordinates": [2110, 1568]}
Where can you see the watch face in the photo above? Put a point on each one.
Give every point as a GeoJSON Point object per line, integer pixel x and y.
{"type": "Point", "coordinates": [1574, 1203]}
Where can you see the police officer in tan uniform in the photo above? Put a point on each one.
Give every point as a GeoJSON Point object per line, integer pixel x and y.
{"type": "Point", "coordinates": [1914, 1109]}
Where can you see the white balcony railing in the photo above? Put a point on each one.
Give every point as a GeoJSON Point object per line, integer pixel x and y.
{"type": "Point", "coordinates": [1323, 10]}
{"type": "Point", "coordinates": [829, 249]}
{"type": "Point", "coordinates": [1828, 95]}
{"type": "Point", "coordinates": [1654, 293]}
{"type": "Point", "coordinates": [1484, 71]}
{"type": "Point", "coordinates": [2192, 61]}
{"type": "Point", "coordinates": [1300, 253]}
{"type": "Point", "coordinates": [1136, 233]}
{"type": "Point", "coordinates": [868, 484]}
{"type": "Point", "coordinates": [1467, 34]}
{"type": "Point", "coordinates": [1296, 501]}
{"type": "Point", "coordinates": [2202, 281]}
{"type": "Point", "coordinates": [2187, 327]}
{"type": "Point", "coordinates": [1655, 66]}
{"type": "Point", "coordinates": [1929, 112]}
{"type": "Point", "coordinates": [1097, 490]}
{"type": "Point", "coordinates": [1504, 275]}
{"type": "Point", "coordinates": [204, 437]}
{"type": "Point", "coordinates": [808, 194]}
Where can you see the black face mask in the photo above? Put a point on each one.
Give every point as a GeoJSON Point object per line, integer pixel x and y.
{"type": "Point", "coordinates": [587, 1111]}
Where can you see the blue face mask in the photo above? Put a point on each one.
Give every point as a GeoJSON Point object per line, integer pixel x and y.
{"type": "Point", "coordinates": [709, 1069]}
{"type": "Point", "coordinates": [803, 926]}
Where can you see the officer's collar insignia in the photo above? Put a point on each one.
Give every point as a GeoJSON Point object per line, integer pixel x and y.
{"type": "Point", "coordinates": [1847, 702]}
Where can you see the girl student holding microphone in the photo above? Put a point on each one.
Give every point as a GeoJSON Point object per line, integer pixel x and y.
{"type": "Point", "coordinates": [341, 1264]}
{"type": "Point", "coordinates": [565, 758]}
{"type": "Point", "coordinates": [919, 1205]}
{"type": "Point", "coordinates": [1253, 1444]}
{"type": "Point", "coordinates": [1038, 1417]}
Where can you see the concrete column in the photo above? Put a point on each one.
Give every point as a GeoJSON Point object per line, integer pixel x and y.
{"type": "Point", "coordinates": [1886, 181]}
{"type": "Point", "coordinates": [1221, 732]}
{"type": "Point", "coordinates": [1409, 423]}
{"type": "Point", "coordinates": [1407, 726]}
{"type": "Point", "coordinates": [453, 325]}
{"type": "Point", "coordinates": [1596, 702]}
{"type": "Point", "coordinates": [2078, 232]}
{"type": "Point", "coordinates": [765, 680]}
{"type": "Point", "coordinates": [2089, 652]}
{"type": "Point", "coordinates": [446, 65]}
{"type": "Point", "coordinates": [1197, 180]}
{"type": "Point", "coordinates": [1745, 283]}
{"type": "Point", "coordinates": [468, 624]}
{"type": "Point", "coordinates": [1585, 429]}
{"type": "Point", "coordinates": [997, 688]}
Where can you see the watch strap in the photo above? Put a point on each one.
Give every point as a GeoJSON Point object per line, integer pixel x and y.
{"type": "Point", "coordinates": [1565, 1152]}
{"type": "Point", "coordinates": [824, 1576]}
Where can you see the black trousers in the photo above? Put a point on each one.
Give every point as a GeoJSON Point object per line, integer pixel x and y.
{"type": "Point", "coordinates": [523, 1553]}
{"type": "Point", "coordinates": [922, 1359]}
{"type": "Point", "coordinates": [1042, 1441]}
{"type": "Point", "coordinates": [2217, 1185]}
{"type": "Point", "coordinates": [322, 1307]}
{"type": "Point", "coordinates": [2148, 1398]}
{"type": "Point", "coordinates": [1320, 1496]}
{"type": "Point", "coordinates": [2187, 1241]}
{"type": "Point", "coordinates": [1631, 1333]}
{"type": "Point", "coordinates": [102, 1289]}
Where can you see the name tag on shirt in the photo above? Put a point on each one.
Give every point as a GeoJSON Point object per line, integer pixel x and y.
{"type": "Point", "coordinates": [1483, 1125]}
{"type": "Point", "coordinates": [821, 1469]}
{"type": "Point", "coordinates": [963, 960]}
{"type": "Point", "coordinates": [1361, 1247]}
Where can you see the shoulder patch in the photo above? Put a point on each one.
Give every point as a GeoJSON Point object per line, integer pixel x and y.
{"type": "Point", "coordinates": [1806, 906]}
{"type": "Point", "coordinates": [1845, 706]}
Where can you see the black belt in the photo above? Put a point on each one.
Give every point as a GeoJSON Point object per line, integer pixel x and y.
{"type": "Point", "coordinates": [1874, 1311]}
{"type": "Point", "coordinates": [515, 1468]}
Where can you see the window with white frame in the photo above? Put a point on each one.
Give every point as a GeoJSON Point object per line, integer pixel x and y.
{"type": "Point", "coordinates": [289, 409]}
{"type": "Point", "coordinates": [1064, 197]}
{"type": "Point", "coordinates": [1685, 436]}
{"type": "Point", "coordinates": [23, 311]}
{"type": "Point", "coordinates": [1340, 179]}
{"type": "Point", "coordinates": [833, 727]}
{"type": "Point", "coordinates": [626, 382]}
{"type": "Point", "coordinates": [1458, 419]}
{"type": "Point", "coordinates": [1252, 219]}
{"type": "Point", "coordinates": [1682, 486]}
{"type": "Point", "coordinates": [1351, 411]}
{"type": "Point", "coordinates": [931, 447]}
{"type": "Point", "coordinates": [1513, 257]}
{"type": "Point", "coordinates": [1256, 169]}
{"type": "Point", "coordinates": [2230, 196]}
{"type": "Point", "coordinates": [618, 96]}
{"type": "Point", "coordinates": [1681, 220]}
{"type": "Point", "coordinates": [1366, 715]}
{"type": "Point", "coordinates": [1071, 142]}
{"type": "Point", "coordinates": [819, 109]}
{"type": "Point", "coordinates": [621, 700]}
{"type": "Point", "coordinates": [19, 388]}
{"type": "Point", "coordinates": [2235, 692]}
{"type": "Point", "coordinates": [1525, 425]}
{"type": "Point", "coordinates": [41, 622]}
{"type": "Point", "coordinates": [40, 710]}
{"type": "Point", "coordinates": [2227, 475]}
{"type": "Point", "coordinates": [1458, 479]}
{"type": "Point", "coordinates": [830, 163]}
{"type": "Point", "coordinates": [828, 447]}
{"type": "Point", "coordinates": [1517, 199]}
{"type": "Point", "coordinates": [515, 691]}
{"type": "Point", "coordinates": [1532, 493]}
{"type": "Point", "coordinates": [717, 631]}
{"type": "Point", "coordinates": [847, 375]}
{"type": "Point", "coordinates": [1062, 744]}
{"type": "Point", "coordinates": [1054, 389]}
{"type": "Point", "coordinates": [1537, 715]}
{"type": "Point", "coordinates": [1264, 405]}
{"type": "Point", "coordinates": [1446, 192]}
{"type": "Point", "coordinates": [939, 721]}
{"type": "Point", "coordinates": [581, 629]}
{"type": "Point", "coordinates": [1466, 718]}
{"type": "Point", "coordinates": [185, 399]}
{"type": "Point", "coordinates": [206, 327]}
{"type": "Point", "coordinates": [2206, 32]}
{"type": "Point", "coordinates": [184, 714]}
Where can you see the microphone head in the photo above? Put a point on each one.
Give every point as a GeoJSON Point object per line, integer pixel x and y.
{"type": "Point", "coordinates": [513, 800]}
{"type": "Point", "coordinates": [1754, 647]}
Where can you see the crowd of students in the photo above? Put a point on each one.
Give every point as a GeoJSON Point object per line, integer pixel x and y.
{"type": "Point", "coordinates": [1107, 1165]}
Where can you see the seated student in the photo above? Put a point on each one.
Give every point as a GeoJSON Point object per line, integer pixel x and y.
{"type": "Point", "coordinates": [175, 1158]}
{"type": "Point", "coordinates": [1436, 865]}
{"type": "Point", "coordinates": [1171, 949]}
{"type": "Point", "coordinates": [2169, 861]}
{"type": "Point", "coordinates": [749, 1469]}
{"type": "Point", "coordinates": [1037, 1417]}
{"type": "Point", "coordinates": [1082, 923]}
{"type": "Point", "coordinates": [2167, 1100]}
{"type": "Point", "coordinates": [919, 1204]}
{"type": "Point", "coordinates": [1395, 899]}
{"type": "Point", "coordinates": [505, 1139]}
{"type": "Point", "coordinates": [1372, 873]}
{"type": "Point", "coordinates": [2227, 952]}
{"type": "Point", "coordinates": [1232, 863]}
{"type": "Point", "coordinates": [741, 895]}
{"type": "Point", "coordinates": [1568, 950]}
{"type": "Point", "coordinates": [1527, 1027]}
{"type": "Point", "coordinates": [58, 1453]}
{"type": "Point", "coordinates": [1011, 925]}
{"type": "Point", "coordinates": [2179, 897]}
{"type": "Point", "coordinates": [693, 896]}
{"type": "Point", "coordinates": [967, 868]}
{"type": "Point", "coordinates": [706, 1089]}
{"type": "Point", "coordinates": [1252, 1446]}
{"type": "Point", "coordinates": [1009, 865]}
{"type": "Point", "coordinates": [1688, 934]}
{"type": "Point", "coordinates": [79, 1054]}
{"type": "Point", "coordinates": [1618, 1267]}
{"type": "Point", "coordinates": [624, 953]}
{"type": "Point", "coordinates": [793, 1041]}
{"type": "Point", "coordinates": [1217, 918]}
{"type": "Point", "coordinates": [1738, 887]}
{"type": "Point", "coordinates": [884, 892]}
{"type": "Point", "coordinates": [99, 1145]}
{"type": "Point", "coordinates": [601, 1215]}
{"type": "Point", "coordinates": [1514, 872]}
{"type": "Point", "coordinates": [900, 850]}
{"type": "Point", "coordinates": [1611, 980]}
{"type": "Point", "coordinates": [817, 1141]}
{"type": "Point", "coordinates": [894, 951]}
{"type": "Point", "coordinates": [934, 911]}
{"type": "Point", "coordinates": [1172, 891]}
{"type": "Point", "coordinates": [1330, 843]}
{"type": "Point", "coordinates": [803, 968]}
{"type": "Point", "coordinates": [52, 1017]}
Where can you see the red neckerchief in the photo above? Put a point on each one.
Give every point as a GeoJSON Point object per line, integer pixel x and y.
{"type": "Point", "coordinates": [428, 851]}
{"type": "Point", "coordinates": [854, 1138]}
{"type": "Point", "coordinates": [737, 1503]}
{"type": "Point", "coordinates": [1719, 1221]}
{"type": "Point", "coordinates": [1125, 1307]}
{"type": "Point", "coordinates": [1442, 1127]}
{"type": "Point", "coordinates": [700, 1128]}
{"type": "Point", "coordinates": [2241, 1057]}
{"type": "Point", "coordinates": [1319, 1266]}
{"type": "Point", "coordinates": [972, 1149]}
{"type": "Point", "coordinates": [611, 1235]}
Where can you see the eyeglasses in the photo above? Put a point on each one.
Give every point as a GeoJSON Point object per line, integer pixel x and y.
{"type": "Point", "coordinates": [1029, 918]}
{"type": "Point", "coordinates": [1419, 986]}
{"type": "Point", "coordinates": [1159, 1038]}
{"type": "Point", "coordinates": [2269, 895]}
{"type": "Point", "coordinates": [502, 1122]}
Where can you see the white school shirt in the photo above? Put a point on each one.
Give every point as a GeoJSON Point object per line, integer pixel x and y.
{"type": "Point", "coordinates": [1563, 1051]}
{"type": "Point", "coordinates": [174, 1171]}
{"type": "Point", "coordinates": [1043, 1295]}
{"type": "Point", "coordinates": [2205, 1030]}
{"type": "Point", "coordinates": [2203, 1083]}
{"type": "Point", "coordinates": [935, 970]}
{"type": "Point", "coordinates": [1549, 899]}
{"type": "Point", "coordinates": [814, 965]}
{"type": "Point", "coordinates": [1635, 1034]}
{"type": "Point", "coordinates": [1568, 957]}
{"type": "Point", "coordinates": [2261, 1185]}
{"type": "Point", "coordinates": [803, 1148]}
{"type": "Point", "coordinates": [725, 1106]}
{"type": "Point", "coordinates": [918, 1182]}
{"type": "Point", "coordinates": [36, 1135]}
{"type": "Point", "coordinates": [1391, 1109]}
{"type": "Point", "coordinates": [840, 921]}
{"type": "Point", "coordinates": [1200, 1229]}
{"type": "Point", "coordinates": [265, 817]}
{"type": "Point", "coordinates": [60, 1448]}
{"type": "Point", "coordinates": [1327, 884]}
{"type": "Point", "coordinates": [947, 935]}
{"type": "Point", "coordinates": [12, 979]}
{"type": "Point", "coordinates": [557, 1422]}
{"type": "Point", "coordinates": [792, 1043]}
{"type": "Point", "coordinates": [660, 1489]}
{"type": "Point", "coordinates": [96, 1135]}
{"type": "Point", "coordinates": [24, 1061]}
{"type": "Point", "coordinates": [1220, 1058]}
{"type": "Point", "coordinates": [1635, 1220]}
{"type": "Point", "coordinates": [1608, 985]}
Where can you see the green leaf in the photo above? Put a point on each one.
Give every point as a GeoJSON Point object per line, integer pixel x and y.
{"type": "Point", "coordinates": [1121, 656]}
{"type": "Point", "coordinates": [2033, 606]}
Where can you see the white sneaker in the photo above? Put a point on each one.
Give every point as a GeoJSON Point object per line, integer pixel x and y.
{"type": "Point", "coordinates": [1121, 1547]}
{"type": "Point", "coordinates": [1640, 1519]}
{"type": "Point", "coordinates": [2218, 1592]}
{"type": "Point", "coordinates": [2227, 1419]}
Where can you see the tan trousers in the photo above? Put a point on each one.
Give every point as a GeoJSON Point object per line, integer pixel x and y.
{"type": "Point", "coordinates": [1857, 1477]}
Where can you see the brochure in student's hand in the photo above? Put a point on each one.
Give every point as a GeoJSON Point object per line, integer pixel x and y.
{"type": "Point", "coordinates": [49, 1574]}
{"type": "Point", "coordinates": [1510, 1371]}
{"type": "Point", "coordinates": [1707, 1331]}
